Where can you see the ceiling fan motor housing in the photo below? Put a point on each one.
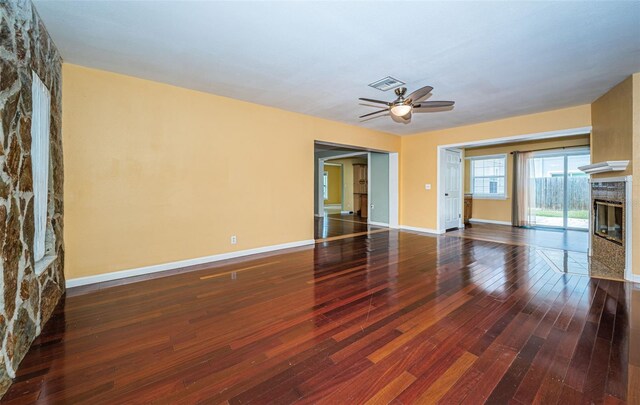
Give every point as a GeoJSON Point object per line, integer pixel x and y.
{"type": "Point", "coordinates": [400, 91]}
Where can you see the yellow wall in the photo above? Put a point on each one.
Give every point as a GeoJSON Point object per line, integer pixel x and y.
{"type": "Point", "coordinates": [612, 117]}
{"type": "Point", "coordinates": [334, 174]}
{"type": "Point", "coordinates": [156, 173]}
{"type": "Point", "coordinates": [500, 210]}
{"type": "Point", "coordinates": [419, 155]}
{"type": "Point", "coordinates": [616, 136]}
{"type": "Point", "coordinates": [347, 175]}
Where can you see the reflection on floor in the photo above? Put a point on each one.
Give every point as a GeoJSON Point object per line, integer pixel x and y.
{"type": "Point", "coordinates": [340, 225]}
{"type": "Point", "coordinates": [558, 221]}
{"type": "Point", "coordinates": [576, 241]}
{"type": "Point", "coordinates": [564, 251]}
{"type": "Point", "coordinates": [565, 261]}
{"type": "Point", "coordinates": [349, 217]}
{"type": "Point", "coordinates": [390, 317]}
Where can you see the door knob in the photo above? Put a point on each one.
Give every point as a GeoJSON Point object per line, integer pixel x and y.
{"type": "Point", "coordinates": [446, 194]}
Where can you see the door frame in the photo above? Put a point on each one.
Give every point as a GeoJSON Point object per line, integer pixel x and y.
{"type": "Point", "coordinates": [496, 141]}
{"type": "Point", "coordinates": [441, 180]}
{"type": "Point", "coordinates": [393, 171]}
{"type": "Point", "coordinates": [341, 183]}
{"type": "Point", "coordinates": [394, 180]}
{"type": "Point", "coordinates": [321, 161]}
{"type": "Point", "coordinates": [368, 187]}
{"type": "Point", "coordinates": [394, 200]}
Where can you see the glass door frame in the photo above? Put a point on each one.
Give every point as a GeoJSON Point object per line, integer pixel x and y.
{"type": "Point", "coordinates": [565, 153]}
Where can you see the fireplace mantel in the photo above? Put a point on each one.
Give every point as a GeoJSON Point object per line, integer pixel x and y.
{"type": "Point", "coordinates": [607, 166]}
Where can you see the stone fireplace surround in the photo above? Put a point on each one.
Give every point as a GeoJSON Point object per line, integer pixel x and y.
{"type": "Point", "coordinates": [29, 290]}
{"type": "Point", "coordinates": [608, 257]}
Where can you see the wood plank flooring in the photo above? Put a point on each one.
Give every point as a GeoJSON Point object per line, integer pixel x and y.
{"type": "Point", "coordinates": [334, 225]}
{"type": "Point", "coordinates": [391, 317]}
{"type": "Point", "coordinates": [572, 240]}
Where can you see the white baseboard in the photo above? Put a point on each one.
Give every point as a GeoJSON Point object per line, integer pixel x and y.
{"type": "Point", "coordinates": [345, 212]}
{"type": "Point", "coordinates": [634, 278]}
{"type": "Point", "coordinates": [488, 221]}
{"type": "Point", "coordinates": [75, 282]}
{"type": "Point", "coordinates": [425, 230]}
{"type": "Point", "coordinates": [378, 224]}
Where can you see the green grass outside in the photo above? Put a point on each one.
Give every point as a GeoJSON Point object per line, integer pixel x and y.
{"type": "Point", "coordinates": [582, 214]}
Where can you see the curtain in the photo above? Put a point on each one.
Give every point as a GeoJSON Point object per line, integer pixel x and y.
{"type": "Point", "coordinates": [523, 190]}
{"type": "Point", "coordinates": [41, 103]}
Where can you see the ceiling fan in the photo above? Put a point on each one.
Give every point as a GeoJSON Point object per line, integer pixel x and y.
{"type": "Point", "coordinates": [402, 108]}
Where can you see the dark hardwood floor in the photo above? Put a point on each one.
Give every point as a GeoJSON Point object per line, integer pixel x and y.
{"type": "Point", "coordinates": [334, 225]}
{"type": "Point", "coordinates": [349, 217]}
{"type": "Point", "coordinates": [575, 241]}
{"type": "Point", "coordinates": [391, 317]}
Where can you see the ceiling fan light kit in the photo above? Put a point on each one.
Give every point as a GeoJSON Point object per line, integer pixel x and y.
{"type": "Point", "coordinates": [402, 107]}
{"type": "Point", "coordinates": [400, 110]}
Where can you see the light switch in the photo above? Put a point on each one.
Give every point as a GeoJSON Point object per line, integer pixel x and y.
{"type": "Point", "coordinates": [427, 186]}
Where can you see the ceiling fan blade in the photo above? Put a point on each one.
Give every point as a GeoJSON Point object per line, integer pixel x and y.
{"type": "Point", "coordinates": [374, 101]}
{"type": "Point", "coordinates": [373, 117]}
{"type": "Point", "coordinates": [424, 106]}
{"type": "Point", "coordinates": [405, 119]}
{"type": "Point", "coordinates": [373, 113]}
{"type": "Point", "coordinates": [419, 94]}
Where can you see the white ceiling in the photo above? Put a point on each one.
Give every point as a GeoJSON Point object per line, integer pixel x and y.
{"type": "Point", "coordinates": [494, 59]}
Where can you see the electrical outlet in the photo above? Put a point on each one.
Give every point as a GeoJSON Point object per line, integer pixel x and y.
{"type": "Point", "coordinates": [234, 239]}
{"type": "Point", "coordinates": [427, 186]}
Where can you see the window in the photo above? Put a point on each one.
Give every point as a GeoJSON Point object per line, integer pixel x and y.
{"type": "Point", "coordinates": [488, 176]}
{"type": "Point", "coordinates": [41, 106]}
{"type": "Point", "coordinates": [325, 185]}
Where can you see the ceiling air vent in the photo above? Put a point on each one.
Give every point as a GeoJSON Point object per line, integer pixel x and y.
{"type": "Point", "coordinates": [387, 83]}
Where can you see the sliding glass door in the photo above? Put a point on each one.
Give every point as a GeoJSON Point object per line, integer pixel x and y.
{"type": "Point", "coordinates": [561, 191]}
{"type": "Point", "coordinates": [548, 197]}
{"type": "Point", "coordinates": [578, 198]}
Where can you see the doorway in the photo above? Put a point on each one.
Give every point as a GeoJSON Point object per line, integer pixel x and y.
{"type": "Point", "coordinates": [342, 182]}
{"type": "Point", "coordinates": [333, 187]}
{"type": "Point", "coordinates": [354, 188]}
{"type": "Point", "coordinates": [493, 202]}
{"type": "Point", "coordinates": [560, 190]}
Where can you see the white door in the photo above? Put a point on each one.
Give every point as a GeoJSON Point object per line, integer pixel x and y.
{"type": "Point", "coordinates": [452, 184]}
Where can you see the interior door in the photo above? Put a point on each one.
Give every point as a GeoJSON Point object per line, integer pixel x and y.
{"type": "Point", "coordinates": [452, 192]}
{"type": "Point", "coordinates": [379, 182]}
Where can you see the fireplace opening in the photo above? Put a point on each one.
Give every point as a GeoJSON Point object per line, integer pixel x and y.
{"type": "Point", "coordinates": [608, 220]}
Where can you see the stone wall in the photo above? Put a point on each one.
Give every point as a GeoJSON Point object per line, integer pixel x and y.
{"type": "Point", "coordinates": [608, 258]}
{"type": "Point", "coordinates": [27, 299]}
